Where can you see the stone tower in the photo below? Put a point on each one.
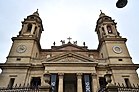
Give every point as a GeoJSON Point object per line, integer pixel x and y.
{"type": "Point", "coordinates": [112, 48]}
{"type": "Point", "coordinates": [27, 44]}
{"type": "Point", "coordinates": [72, 68]}
{"type": "Point", "coordinates": [111, 45]}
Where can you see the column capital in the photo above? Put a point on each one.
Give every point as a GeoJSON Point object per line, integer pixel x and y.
{"type": "Point", "coordinates": [34, 23]}
{"type": "Point", "coordinates": [60, 87]}
{"type": "Point", "coordinates": [60, 74]}
{"type": "Point", "coordinates": [79, 74]}
{"type": "Point", "coordinates": [79, 82]}
{"type": "Point", "coordinates": [94, 74]}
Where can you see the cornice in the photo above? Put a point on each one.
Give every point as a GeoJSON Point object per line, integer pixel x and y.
{"type": "Point", "coordinates": [15, 65]}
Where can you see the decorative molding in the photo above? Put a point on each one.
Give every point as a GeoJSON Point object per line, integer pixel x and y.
{"type": "Point", "coordinates": [12, 75]}
{"type": "Point", "coordinates": [79, 74]}
{"type": "Point", "coordinates": [69, 59]}
{"type": "Point", "coordinates": [125, 75]}
{"type": "Point", "coordinates": [61, 74]}
{"type": "Point", "coordinates": [94, 74]}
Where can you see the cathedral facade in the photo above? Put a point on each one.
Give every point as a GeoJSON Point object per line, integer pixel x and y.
{"type": "Point", "coordinates": [72, 68]}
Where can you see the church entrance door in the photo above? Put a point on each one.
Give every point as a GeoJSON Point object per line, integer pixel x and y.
{"type": "Point", "coordinates": [70, 84]}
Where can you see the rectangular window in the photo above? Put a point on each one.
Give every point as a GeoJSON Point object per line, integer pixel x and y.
{"type": "Point", "coordinates": [127, 83]}
{"type": "Point", "coordinates": [18, 59]}
{"type": "Point", "coordinates": [35, 82]}
{"type": "Point", "coordinates": [120, 59]}
{"type": "Point", "coordinates": [11, 83]}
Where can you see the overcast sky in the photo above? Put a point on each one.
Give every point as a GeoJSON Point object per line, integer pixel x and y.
{"type": "Point", "coordinates": [64, 18]}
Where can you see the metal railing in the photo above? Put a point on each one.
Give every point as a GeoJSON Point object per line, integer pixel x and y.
{"type": "Point", "coordinates": [24, 89]}
{"type": "Point", "coordinates": [19, 89]}
{"type": "Point", "coordinates": [121, 88]}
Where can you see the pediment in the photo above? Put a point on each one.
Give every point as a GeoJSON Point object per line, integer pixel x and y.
{"type": "Point", "coordinates": [70, 47]}
{"type": "Point", "coordinates": [70, 57]}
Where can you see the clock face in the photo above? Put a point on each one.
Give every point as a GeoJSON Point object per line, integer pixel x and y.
{"type": "Point", "coordinates": [21, 48]}
{"type": "Point", "coordinates": [117, 49]}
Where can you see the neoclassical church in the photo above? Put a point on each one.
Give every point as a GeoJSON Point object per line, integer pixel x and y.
{"type": "Point", "coordinates": [70, 67]}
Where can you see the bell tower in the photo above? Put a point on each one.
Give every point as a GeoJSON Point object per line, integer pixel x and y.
{"type": "Point", "coordinates": [32, 26]}
{"type": "Point", "coordinates": [106, 27]}
{"type": "Point", "coordinates": [27, 44]}
{"type": "Point", "coordinates": [112, 46]}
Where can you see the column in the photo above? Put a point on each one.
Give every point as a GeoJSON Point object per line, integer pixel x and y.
{"type": "Point", "coordinates": [33, 28]}
{"type": "Point", "coordinates": [79, 82]}
{"type": "Point", "coordinates": [105, 28]}
{"type": "Point", "coordinates": [24, 29]}
{"type": "Point", "coordinates": [94, 82]}
{"type": "Point", "coordinates": [60, 84]}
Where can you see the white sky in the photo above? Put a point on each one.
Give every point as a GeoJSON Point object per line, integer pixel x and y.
{"type": "Point", "coordinates": [64, 18]}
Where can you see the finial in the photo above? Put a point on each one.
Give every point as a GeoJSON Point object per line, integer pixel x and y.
{"type": "Point", "coordinates": [36, 13]}
{"type": "Point", "coordinates": [101, 14]}
{"type": "Point", "coordinates": [69, 39]}
{"type": "Point", "coordinates": [37, 10]}
{"type": "Point", "coordinates": [84, 43]}
{"type": "Point", "coordinates": [100, 11]}
{"type": "Point", "coordinates": [54, 43]}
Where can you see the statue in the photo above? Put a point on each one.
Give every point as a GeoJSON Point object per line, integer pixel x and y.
{"type": "Point", "coordinates": [84, 43]}
{"type": "Point", "coordinates": [75, 42]}
{"type": "Point", "coordinates": [63, 41]}
{"type": "Point", "coordinates": [54, 43]}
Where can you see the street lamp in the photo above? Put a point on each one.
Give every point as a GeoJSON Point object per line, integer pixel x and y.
{"type": "Point", "coordinates": [121, 3]}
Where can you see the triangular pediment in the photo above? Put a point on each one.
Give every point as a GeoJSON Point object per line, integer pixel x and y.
{"type": "Point", "coordinates": [70, 47]}
{"type": "Point", "coordinates": [70, 57]}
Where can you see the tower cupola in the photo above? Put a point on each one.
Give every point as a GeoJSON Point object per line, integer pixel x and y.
{"type": "Point", "coordinates": [32, 26]}
{"type": "Point", "coordinates": [106, 27]}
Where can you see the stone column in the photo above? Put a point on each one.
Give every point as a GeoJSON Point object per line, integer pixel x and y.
{"type": "Point", "coordinates": [79, 82]}
{"type": "Point", "coordinates": [105, 28]}
{"type": "Point", "coordinates": [60, 84]}
{"type": "Point", "coordinates": [94, 82]}
{"type": "Point", "coordinates": [24, 28]}
{"type": "Point", "coordinates": [33, 28]}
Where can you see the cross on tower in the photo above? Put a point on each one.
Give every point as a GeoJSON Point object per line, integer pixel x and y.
{"type": "Point", "coordinates": [69, 39]}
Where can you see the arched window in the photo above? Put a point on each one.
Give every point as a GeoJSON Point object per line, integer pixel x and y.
{"type": "Point", "coordinates": [29, 27]}
{"type": "Point", "coordinates": [109, 29]}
